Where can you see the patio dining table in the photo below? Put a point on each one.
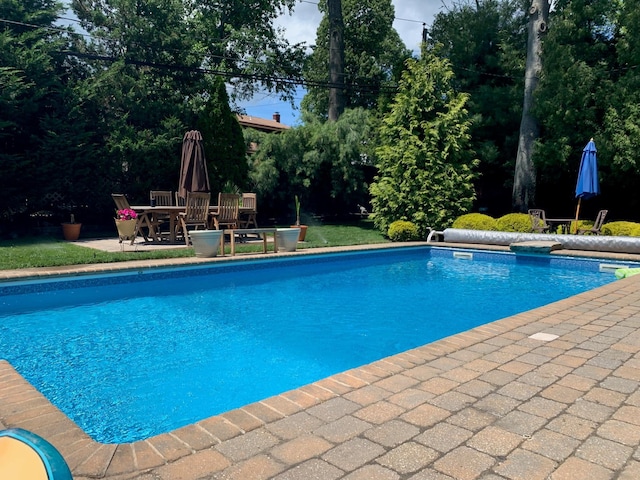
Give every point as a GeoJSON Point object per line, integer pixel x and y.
{"type": "Point", "coordinates": [148, 216]}
{"type": "Point", "coordinates": [563, 223]}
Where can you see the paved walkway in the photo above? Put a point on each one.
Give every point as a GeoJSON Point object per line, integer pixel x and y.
{"type": "Point", "coordinates": [548, 394]}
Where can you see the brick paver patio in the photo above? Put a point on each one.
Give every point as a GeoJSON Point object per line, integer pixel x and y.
{"type": "Point", "coordinates": [551, 393]}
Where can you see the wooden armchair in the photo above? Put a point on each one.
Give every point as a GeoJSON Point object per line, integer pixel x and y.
{"type": "Point", "coordinates": [196, 213]}
{"type": "Point", "coordinates": [228, 211]}
{"type": "Point", "coordinates": [249, 211]}
{"type": "Point", "coordinates": [160, 198]}
{"type": "Point", "coordinates": [597, 226]}
{"type": "Point", "coordinates": [121, 201]}
{"type": "Point", "coordinates": [538, 221]}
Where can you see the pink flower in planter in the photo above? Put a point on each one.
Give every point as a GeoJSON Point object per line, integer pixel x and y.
{"type": "Point", "coordinates": [126, 214]}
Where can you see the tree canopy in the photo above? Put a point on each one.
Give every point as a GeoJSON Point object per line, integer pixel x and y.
{"type": "Point", "coordinates": [374, 54]}
{"type": "Point", "coordinates": [484, 43]}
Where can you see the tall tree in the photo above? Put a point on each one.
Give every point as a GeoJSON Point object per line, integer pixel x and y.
{"type": "Point", "coordinates": [336, 59]}
{"type": "Point", "coordinates": [483, 41]}
{"type": "Point", "coordinates": [36, 103]}
{"type": "Point", "coordinates": [240, 39]}
{"type": "Point", "coordinates": [524, 179]}
{"type": "Point", "coordinates": [593, 100]}
{"type": "Point", "coordinates": [425, 169]}
{"type": "Point", "coordinates": [223, 141]}
{"type": "Point", "coordinates": [373, 57]}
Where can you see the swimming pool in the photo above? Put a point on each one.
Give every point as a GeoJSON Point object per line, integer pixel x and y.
{"type": "Point", "coordinates": [131, 355]}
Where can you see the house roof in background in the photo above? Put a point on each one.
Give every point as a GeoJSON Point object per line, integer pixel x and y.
{"type": "Point", "coordinates": [263, 124]}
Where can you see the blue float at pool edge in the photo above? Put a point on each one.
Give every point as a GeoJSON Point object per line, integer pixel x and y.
{"type": "Point", "coordinates": [54, 463]}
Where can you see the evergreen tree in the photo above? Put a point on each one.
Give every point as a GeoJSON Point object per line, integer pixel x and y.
{"type": "Point", "coordinates": [223, 141]}
{"type": "Point", "coordinates": [425, 169]}
{"type": "Point", "coordinates": [37, 101]}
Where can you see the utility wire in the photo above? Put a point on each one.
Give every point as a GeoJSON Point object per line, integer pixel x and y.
{"type": "Point", "coordinates": [273, 78]}
{"type": "Point", "coordinates": [231, 75]}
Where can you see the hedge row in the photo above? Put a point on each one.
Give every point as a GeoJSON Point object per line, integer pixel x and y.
{"type": "Point", "coordinates": [520, 222]}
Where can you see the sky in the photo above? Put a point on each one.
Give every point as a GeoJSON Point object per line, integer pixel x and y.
{"type": "Point", "coordinates": [301, 26]}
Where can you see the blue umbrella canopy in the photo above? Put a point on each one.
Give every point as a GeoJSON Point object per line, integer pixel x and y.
{"type": "Point", "coordinates": [588, 185]}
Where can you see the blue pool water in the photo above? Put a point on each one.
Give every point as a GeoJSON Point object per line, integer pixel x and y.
{"type": "Point", "coordinates": [132, 355]}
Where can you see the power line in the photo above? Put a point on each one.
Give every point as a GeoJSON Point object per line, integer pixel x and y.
{"type": "Point", "coordinates": [230, 75]}
{"type": "Point", "coordinates": [395, 18]}
{"type": "Point", "coordinates": [362, 88]}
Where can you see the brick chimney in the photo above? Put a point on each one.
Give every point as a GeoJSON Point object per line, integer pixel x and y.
{"type": "Point", "coordinates": [276, 117]}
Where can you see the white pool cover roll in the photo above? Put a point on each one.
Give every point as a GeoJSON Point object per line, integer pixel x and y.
{"type": "Point", "coordinates": [598, 243]}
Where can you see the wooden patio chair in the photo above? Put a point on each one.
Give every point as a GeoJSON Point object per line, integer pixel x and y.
{"type": "Point", "coordinates": [247, 217]}
{"type": "Point", "coordinates": [228, 210]}
{"type": "Point", "coordinates": [538, 221]}
{"type": "Point", "coordinates": [121, 201]}
{"type": "Point", "coordinates": [196, 213]}
{"type": "Point", "coordinates": [180, 201]}
{"type": "Point", "coordinates": [249, 211]}
{"type": "Point", "coordinates": [160, 198]}
{"type": "Point", "coordinates": [597, 226]}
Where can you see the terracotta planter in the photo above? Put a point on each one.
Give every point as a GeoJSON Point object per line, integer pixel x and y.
{"type": "Point", "coordinates": [126, 229]}
{"type": "Point", "coordinates": [71, 231]}
{"type": "Point", "coordinates": [303, 231]}
{"type": "Point", "coordinates": [206, 242]}
{"type": "Point", "coordinates": [288, 239]}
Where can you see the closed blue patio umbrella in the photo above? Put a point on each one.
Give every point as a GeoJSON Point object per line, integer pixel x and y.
{"type": "Point", "coordinates": [588, 185]}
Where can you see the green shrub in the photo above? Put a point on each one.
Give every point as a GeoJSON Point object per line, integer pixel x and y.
{"type": "Point", "coordinates": [403, 231]}
{"type": "Point", "coordinates": [514, 222]}
{"type": "Point", "coordinates": [582, 224]}
{"type": "Point", "coordinates": [475, 221]}
{"type": "Point", "coordinates": [627, 229]}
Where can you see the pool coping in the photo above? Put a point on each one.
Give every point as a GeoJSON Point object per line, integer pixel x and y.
{"type": "Point", "coordinates": [490, 370]}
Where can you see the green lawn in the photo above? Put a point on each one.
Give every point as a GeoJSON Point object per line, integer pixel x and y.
{"type": "Point", "coordinates": [49, 252]}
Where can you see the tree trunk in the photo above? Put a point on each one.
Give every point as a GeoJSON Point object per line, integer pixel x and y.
{"type": "Point", "coordinates": [336, 59]}
{"type": "Point", "coordinates": [524, 180]}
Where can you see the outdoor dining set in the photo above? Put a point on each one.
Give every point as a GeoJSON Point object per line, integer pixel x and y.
{"type": "Point", "coordinates": [169, 217]}
{"type": "Point", "coordinates": [540, 223]}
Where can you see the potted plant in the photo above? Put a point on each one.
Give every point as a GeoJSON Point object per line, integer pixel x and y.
{"type": "Point", "coordinates": [303, 228]}
{"type": "Point", "coordinates": [126, 220]}
{"type": "Point", "coordinates": [206, 243]}
{"type": "Point", "coordinates": [71, 229]}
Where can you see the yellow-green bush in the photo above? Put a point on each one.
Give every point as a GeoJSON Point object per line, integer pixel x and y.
{"type": "Point", "coordinates": [514, 222]}
{"type": "Point", "coordinates": [475, 221]}
{"type": "Point", "coordinates": [627, 229]}
{"type": "Point", "coordinates": [402, 231]}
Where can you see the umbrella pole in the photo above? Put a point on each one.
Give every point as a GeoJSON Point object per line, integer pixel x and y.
{"type": "Point", "coordinates": [575, 229]}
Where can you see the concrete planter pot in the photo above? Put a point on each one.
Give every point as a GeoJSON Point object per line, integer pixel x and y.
{"type": "Point", "coordinates": [206, 242]}
{"type": "Point", "coordinates": [288, 239]}
{"type": "Point", "coordinates": [126, 229]}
